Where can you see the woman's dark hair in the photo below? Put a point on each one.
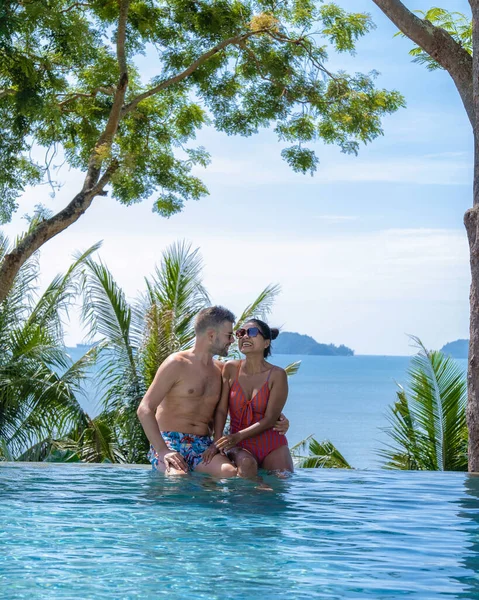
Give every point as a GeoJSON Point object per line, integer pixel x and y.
{"type": "Point", "coordinates": [269, 333]}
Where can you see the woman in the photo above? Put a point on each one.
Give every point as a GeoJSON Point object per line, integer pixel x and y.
{"type": "Point", "coordinates": [255, 393]}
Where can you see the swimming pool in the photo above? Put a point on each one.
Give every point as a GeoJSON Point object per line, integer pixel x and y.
{"type": "Point", "coordinates": [70, 531]}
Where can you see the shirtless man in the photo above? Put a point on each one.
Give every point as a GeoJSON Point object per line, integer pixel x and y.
{"type": "Point", "coordinates": [178, 407]}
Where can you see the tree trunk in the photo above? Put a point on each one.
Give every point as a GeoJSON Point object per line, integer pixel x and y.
{"type": "Point", "coordinates": [471, 222]}
{"type": "Point", "coordinates": [43, 232]}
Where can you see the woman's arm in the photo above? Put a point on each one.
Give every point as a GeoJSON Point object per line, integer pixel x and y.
{"type": "Point", "coordinates": [221, 411]}
{"type": "Point", "coordinates": [277, 400]}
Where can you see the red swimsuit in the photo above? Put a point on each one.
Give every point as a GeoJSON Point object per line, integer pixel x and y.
{"type": "Point", "coordinates": [244, 412]}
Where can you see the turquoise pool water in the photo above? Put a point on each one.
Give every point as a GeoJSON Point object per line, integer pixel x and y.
{"type": "Point", "coordinates": [107, 532]}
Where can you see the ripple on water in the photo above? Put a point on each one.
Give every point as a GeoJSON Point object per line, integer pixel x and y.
{"type": "Point", "coordinates": [109, 533]}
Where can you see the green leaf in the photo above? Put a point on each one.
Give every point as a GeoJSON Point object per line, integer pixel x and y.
{"type": "Point", "coordinates": [428, 422]}
{"type": "Point", "coordinates": [322, 455]}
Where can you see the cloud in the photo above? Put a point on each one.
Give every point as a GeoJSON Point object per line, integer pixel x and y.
{"type": "Point", "coordinates": [427, 169]}
{"type": "Point", "coordinates": [367, 290]}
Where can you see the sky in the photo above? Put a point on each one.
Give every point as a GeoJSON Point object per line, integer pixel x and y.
{"type": "Point", "coordinates": [367, 251]}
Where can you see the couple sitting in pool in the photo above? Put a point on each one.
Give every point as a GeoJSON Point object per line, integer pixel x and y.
{"type": "Point", "coordinates": [191, 390]}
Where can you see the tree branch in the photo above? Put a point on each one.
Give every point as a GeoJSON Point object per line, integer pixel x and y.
{"type": "Point", "coordinates": [6, 92]}
{"type": "Point", "coordinates": [189, 70]}
{"type": "Point", "coordinates": [106, 138]}
{"type": "Point", "coordinates": [48, 229]}
{"type": "Point", "coordinates": [75, 5]}
{"type": "Point", "coordinates": [98, 190]}
{"type": "Point", "coordinates": [439, 44]}
{"type": "Point", "coordinates": [257, 62]}
{"type": "Point", "coordinates": [104, 90]}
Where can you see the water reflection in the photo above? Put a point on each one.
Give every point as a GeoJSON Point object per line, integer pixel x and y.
{"type": "Point", "coordinates": [222, 494]}
{"type": "Point", "coordinates": [223, 534]}
{"type": "Point", "coordinates": [470, 513]}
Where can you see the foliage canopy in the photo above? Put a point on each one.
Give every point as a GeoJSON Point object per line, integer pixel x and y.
{"type": "Point", "coordinates": [238, 65]}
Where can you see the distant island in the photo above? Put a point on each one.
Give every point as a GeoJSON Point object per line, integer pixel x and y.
{"type": "Point", "coordinates": [289, 342]}
{"type": "Point", "coordinates": [457, 349]}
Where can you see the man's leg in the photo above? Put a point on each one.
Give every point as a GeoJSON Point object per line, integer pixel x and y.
{"type": "Point", "coordinates": [159, 465]}
{"type": "Point", "coordinates": [278, 460]}
{"type": "Point", "coordinates": [219, 466]}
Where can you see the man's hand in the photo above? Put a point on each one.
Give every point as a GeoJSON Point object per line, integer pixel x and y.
{"type": "Point", "coordinates": [209, 453]}
{"type": "Point", "coordinates": [281, 425]}
{"type": "Point", "coordinates": [174, 460]}
{"type": "Point", "coordinates": [227, 442]}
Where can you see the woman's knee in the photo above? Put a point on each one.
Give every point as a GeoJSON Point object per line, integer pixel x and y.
{"type": "Point", "coordinates": [247, 467]}
{"type": "Point", "coordinates": [279, 460]}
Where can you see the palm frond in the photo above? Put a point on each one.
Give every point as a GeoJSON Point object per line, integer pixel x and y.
{"type": "Point", "coordinates": [322, 455]}
{"type": "Point", "coordinates": [458, 25]}
{"type": "Point", "coordinates": [292, 368]}
{"type": "Point", "coordinates": [38, 382]}
{"type": "Point", "coordinates": [178, 290]}
{"type": "Point", "coordinates": [262, 305]}
{"type": "Point", "coordinates": [428, 421]}
{"type": "Point", "coordinates": [174, 297]}
{"type": "Point", "coordinates": [58, 296]}
{"type": "Point", "coordinates": [107, 313]}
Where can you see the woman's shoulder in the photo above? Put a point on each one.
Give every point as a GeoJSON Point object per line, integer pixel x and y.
{"type": "Point", "coordinates": [231, 365]}
{"type": "Point", "coordinates": [277, 372]}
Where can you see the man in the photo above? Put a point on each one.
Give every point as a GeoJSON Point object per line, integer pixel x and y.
{"type": "Point", "coordinates": [179, 405]}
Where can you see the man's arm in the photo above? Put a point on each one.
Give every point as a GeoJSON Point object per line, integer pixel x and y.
{"type": "Point", "coordinates": [221, 413]}
{"type": "Point", "coordinates": [165, 378]}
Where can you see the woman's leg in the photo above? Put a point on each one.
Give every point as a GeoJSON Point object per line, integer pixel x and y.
{"type": "Point", "coordinates": [245, 461]}
{"type": "Point", "coordinates": [278, 460]}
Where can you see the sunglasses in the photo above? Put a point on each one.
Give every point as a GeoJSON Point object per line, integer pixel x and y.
{"type": "Point", "coordinates": [250, 332]}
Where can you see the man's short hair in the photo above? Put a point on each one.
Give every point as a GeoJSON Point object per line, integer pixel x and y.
{"type": "Point", "coordinates": [213, 316]}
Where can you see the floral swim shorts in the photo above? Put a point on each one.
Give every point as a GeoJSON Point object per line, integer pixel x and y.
{"type": "Point", "coordinates": [189, 445]}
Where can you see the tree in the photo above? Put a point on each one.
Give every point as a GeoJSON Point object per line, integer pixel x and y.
{"type": "Point", "coordinates": [70, 86]}
{"type": "Point", "coordinates": [449, 48]}
{"type": "Point", "coordinates": [39, 383]}
{"type": "Point", "coordinates": [428, 421]}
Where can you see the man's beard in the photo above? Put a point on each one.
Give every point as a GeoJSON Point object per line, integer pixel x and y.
{"type": "Point", "coordinates": [218, 350]}
{"type": "Point", "coordinates": [221, 351]}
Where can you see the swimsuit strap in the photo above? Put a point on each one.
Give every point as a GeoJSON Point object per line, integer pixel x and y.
{"type": "Point", "coordinates": [269, 374]}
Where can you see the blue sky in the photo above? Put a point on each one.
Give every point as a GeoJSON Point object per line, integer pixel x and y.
{"type": "Point", "coordinates": [368, 250]}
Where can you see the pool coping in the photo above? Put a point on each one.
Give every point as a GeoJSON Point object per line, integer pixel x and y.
{"type": "Point", "coordinates": [75, 464]}
{"type": "Point", "coordinates": [146, 467]}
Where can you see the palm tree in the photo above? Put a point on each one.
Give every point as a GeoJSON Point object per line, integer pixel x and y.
{"type": "Point", "coordinates": [428, 421]}
{"type": "Point", "coordinates": [321, 455]}
{"type": "Point", "coordinates": [39, 383]}
{"type": "Point", "coordinates": [137, 337]}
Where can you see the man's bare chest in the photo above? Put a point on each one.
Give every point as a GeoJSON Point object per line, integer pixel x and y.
{"type": "Point", "coordinates": [199, 386]}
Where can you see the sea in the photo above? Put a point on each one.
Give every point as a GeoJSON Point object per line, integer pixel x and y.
{"type": "Point", "coordinates": [344, 399]}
